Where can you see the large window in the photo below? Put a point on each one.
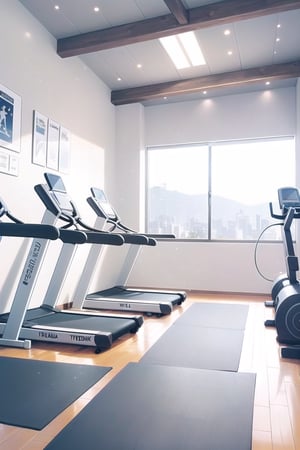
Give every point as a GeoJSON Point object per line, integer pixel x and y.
{"type": "Point", "coordinates": [218, 191]}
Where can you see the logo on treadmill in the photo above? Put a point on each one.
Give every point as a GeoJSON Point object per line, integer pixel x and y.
{"type": "Point", "coordinates": [79, 338]}
{"type": "Point", "coordinates": [125, 305]}
{"type": "Point", "coordinates": [48, 335]}
{"type": "Point", "coordinates": [32, 262]}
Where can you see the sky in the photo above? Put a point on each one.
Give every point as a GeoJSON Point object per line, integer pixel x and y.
{"type": "Point", "coordinates": [248, 172]}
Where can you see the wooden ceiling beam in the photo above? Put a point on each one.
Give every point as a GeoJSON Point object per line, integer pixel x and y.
{"type": "Point", "coordinates": [201, 17]}
{"type": "Point", "coordinates": [178, 10]}
{"type": "Point", "coordinates": [192, 85]}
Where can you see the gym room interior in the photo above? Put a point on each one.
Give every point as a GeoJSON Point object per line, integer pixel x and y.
{"type": "Point", "coordinates": [109, 124]}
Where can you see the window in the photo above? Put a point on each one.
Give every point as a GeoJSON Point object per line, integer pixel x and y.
{"type": "Point", "coordinates": [219, 191]}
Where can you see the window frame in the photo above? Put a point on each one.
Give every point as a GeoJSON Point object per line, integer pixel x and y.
{"type": "Point", "coordinates": [209, 146]}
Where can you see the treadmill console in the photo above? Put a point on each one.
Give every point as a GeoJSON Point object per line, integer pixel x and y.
{"type": "Point", "coordinates": [289, 197]}
{"type": "Point", "coordinates": [103, 204]}
{"type": "Point", "coordinates": [57, 187]}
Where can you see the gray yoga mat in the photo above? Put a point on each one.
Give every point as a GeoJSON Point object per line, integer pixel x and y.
{"type": "Point", "coordinates": [215, 315]}
{"type": "Point", "coordinates": [206, 336]}
{"type": "Point", "coordinates": [34, 392]}
{"type": "Point", "coordinates": [200, 348]}
{"type": "Point", "coordinates": [159, 407]}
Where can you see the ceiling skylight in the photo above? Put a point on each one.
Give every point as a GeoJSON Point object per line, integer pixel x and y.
{"type": "Point", "coordinates": [183, 49]}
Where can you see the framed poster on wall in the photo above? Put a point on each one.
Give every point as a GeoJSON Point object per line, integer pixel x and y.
{"type": "Point", "coordinates": [4, 161]}
{"type": "Point", "coordinates": [14, 165]}
{"type": "Point", "coordinates": [39, 139]}
{"type": "Point", "coordinates": [64, 150]}
{"type": "Point", "coordinates": [53, 145]}
{"type": "Point", "coordinates": [10, 119]}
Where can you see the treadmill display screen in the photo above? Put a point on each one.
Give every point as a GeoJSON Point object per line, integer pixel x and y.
{"type": "Point", "coordinates": [63, 201]}
{"type": "Point", "coordinates": [102, 202]}
{"type": "Point", "coordinates": [58, 189]}
{"type": "Point", "coordinates": [55, 182]}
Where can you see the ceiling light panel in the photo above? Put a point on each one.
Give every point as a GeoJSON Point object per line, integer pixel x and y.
{"type": "Point", "coordinates": [173, 48]}
{"type": "Point", "coordinates": [192, 48]}
{"type": "Point", "coordinates": [183, 49]}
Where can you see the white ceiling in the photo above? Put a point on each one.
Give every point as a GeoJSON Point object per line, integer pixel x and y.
{"type": "Point", "coordinates": [253, 42]}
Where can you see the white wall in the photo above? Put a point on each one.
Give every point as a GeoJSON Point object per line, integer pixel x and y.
{"type": "Point", "coordinates": [66, 91]}
{"type": "Point", "coordinates": [199, 265]}
{"type": "Point", "coordinates": [130, 144]}
{"type": "Point", "coordinates": [241, 116]}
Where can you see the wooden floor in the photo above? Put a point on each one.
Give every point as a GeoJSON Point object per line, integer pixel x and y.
{"type": "Point", "coordinates": [276, 423]}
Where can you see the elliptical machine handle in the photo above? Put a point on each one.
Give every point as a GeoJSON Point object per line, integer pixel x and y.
{"type": "Point", "coordinates": [275, 216]}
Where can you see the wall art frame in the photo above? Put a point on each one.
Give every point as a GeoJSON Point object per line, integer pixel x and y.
{"type": "Point", "coordinates": [10, 119]}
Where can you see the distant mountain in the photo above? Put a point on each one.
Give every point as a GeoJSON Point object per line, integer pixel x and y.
{"type": "Point", "coordinates": [181, 206]}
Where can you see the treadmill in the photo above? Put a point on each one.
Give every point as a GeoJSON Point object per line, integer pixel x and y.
{"type": "Point", "coordinates": [48, 323]}
{"type": "Point", "coordinates": [120, 297]}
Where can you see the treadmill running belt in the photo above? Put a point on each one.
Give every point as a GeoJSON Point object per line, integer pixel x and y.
{"type": "Point", "coordinates": [159, 407]}
{"type": "Point", "coordinates": [135, 294]}
{"type": "Point", "coordinates": [34, 392]}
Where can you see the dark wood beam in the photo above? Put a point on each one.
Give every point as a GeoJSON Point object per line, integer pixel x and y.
{"type": "Point", "coordinates": [178, 10]}
{"type": "Point", "coordinates": [202, 17]}
{"type": "Point", "coordinates": [192, 85]}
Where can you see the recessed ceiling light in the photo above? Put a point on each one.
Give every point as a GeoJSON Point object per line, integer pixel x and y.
{"type": "Point", "coordinates": [278, 25]}
{"type": "Point", "coordinates": [204, 92]}
{"type": "Point", "coordinates": [165, 98]}
{"type": "Point", "coordinates": [119, 79]}
{"type": "Point", "coordinates": [227, 32]}
{"type": "Point", "coordinates": [183, 49]}
{"type": "Point", "coordinates": [139, 66]}
{"type": "Point", "coordinates": [277, 39]}
{"type": "Point", "coordinates": [96, 9]}
{"type": "Point", "coordinates": [229, 53]}
{"type": "Point", "coordinates": [56, 7]}
{"type": "Point", "coordinates": [268, 83]}
{"type": "Point", "coordinates": [27, 34]}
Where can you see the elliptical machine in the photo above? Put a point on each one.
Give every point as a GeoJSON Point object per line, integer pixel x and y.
{"type": "Point", "coordinates": [286, 288]}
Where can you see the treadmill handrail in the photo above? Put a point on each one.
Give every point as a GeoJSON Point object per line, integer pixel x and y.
{"type": "Point", "coordinates": [29, 230]}
{"type": "Point", "coordinates": [72, 236]}
{"type": "Point", "coordinates": [161, 236]}
{"type": "Point", "coordinates": [18, 228]}
{"type": "Point", "coordinates": [112, 217]}
{"type": "Point", "coordinates": [130, 236]}
{"type": "Point", "coordinates": [97, 237]}
{"type": "Point", "coordinates": [92, 235]}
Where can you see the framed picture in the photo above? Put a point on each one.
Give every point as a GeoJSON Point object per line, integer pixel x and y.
{"type": "Point", "coordinates": [10, 119]}
{"type": "Point", "coordinates": [14, 165]}
{"type": "Point", "coordinates": [53, 145]}
{"type": "Point", "coordinates": [39, 139]}
{"type": "Point", "coordinates": [64, 150]}
{"type": "Point", "coordinates": [4, 161]}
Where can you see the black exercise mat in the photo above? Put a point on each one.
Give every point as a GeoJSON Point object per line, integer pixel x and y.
{"type": "Point", "coordinates": [200, 348]}
{"type": "Point", "coordinates": [219, 315]}
{"type": "Point", "coordinates": [32, 393]}
{"type": "Point", "coordinates": [165, 408]}
{"type": "Point", "coordinates": [206, 336]}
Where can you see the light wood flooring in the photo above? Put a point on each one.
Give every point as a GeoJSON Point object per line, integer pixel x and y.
{"type": "Point", "coordinates": [276, 423]}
